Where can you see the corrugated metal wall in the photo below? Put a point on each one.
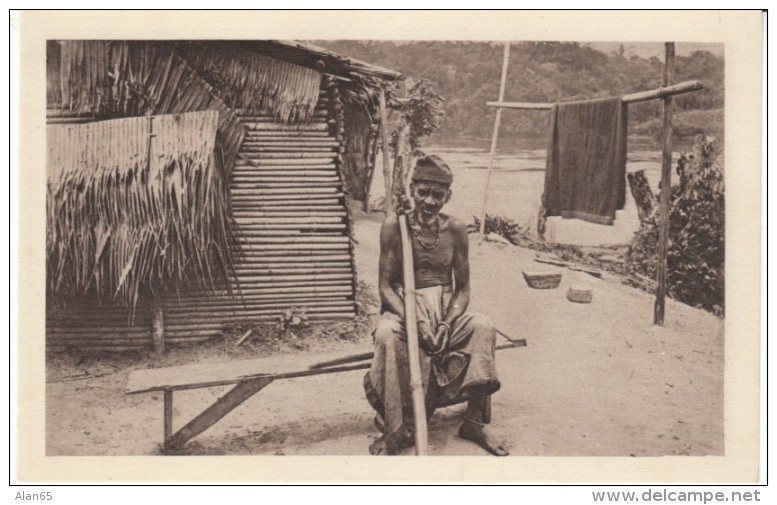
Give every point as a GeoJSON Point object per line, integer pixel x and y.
{"type": "Point", "coordinates": [293, 227]}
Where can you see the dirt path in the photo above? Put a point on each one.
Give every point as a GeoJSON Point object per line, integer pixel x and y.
{"type": "Point", "coordinates": [595, 379]}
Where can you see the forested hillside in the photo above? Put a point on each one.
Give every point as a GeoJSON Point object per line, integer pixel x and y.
{"type": "Point", "coordinates": [467, 75]}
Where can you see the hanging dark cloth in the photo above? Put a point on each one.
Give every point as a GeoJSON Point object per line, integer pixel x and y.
{"type": "Point", "coordinates": [585, 175]}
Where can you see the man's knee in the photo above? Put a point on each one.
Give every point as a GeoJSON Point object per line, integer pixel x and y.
{"type": "Point", "coordinates": [482, 322]}
{"type": "Point", "coordinates": [388, 332]}
{"type": "Point", "coordinates": [484, 327]}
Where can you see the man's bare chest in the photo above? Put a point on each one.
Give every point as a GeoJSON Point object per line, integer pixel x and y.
{"type": "Point", "coordinates": [431, 254]}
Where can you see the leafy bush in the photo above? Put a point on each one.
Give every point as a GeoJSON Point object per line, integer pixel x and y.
{"type": "Point", "coordinates": [696, 254]}
{"type": "Point", "coordinates": [500, 225]}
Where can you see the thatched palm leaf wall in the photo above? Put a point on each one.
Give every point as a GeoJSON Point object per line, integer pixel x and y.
{"type": "Point", "coordinates": [130, 214]}
{"type": "Point", "coordinates": [249, 80]}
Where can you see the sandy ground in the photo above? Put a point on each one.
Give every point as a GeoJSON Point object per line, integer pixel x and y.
{"type": "Point", "coordinates": [596, 379]}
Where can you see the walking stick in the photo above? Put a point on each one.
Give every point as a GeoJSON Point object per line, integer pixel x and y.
{"type": "Point", "coordinates": [416, 386]}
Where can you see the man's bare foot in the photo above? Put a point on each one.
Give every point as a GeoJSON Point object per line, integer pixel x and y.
{"type": "Point", "coordinates": [475, 432]}
{"type": "Point", "coordinates": [379, 447]}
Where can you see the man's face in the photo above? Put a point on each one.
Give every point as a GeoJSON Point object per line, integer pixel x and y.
{"type": "Point", "coordinates": [429, 198]}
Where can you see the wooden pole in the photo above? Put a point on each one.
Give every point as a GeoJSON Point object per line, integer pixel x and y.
{"type": "Point", "coordinates": [413, 349]}
{"type": "Point", "coordinates": [158, 328]}
{"type": "Point", "coordinates": [168, 415]}
{"type": "Point", "coordinates": [505, 61]}
{"type": "Point", "coordinates": [666, 188]}
{"type": "Point", "coordinates": [642, 96]}
{"type": "Point", "coordinates": [384, 147]}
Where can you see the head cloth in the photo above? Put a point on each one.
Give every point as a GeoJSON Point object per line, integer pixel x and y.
{"type": "Point", "coordinates": [432, 169]}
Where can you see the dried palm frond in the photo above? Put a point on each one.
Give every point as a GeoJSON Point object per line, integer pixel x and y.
{"type": "Point", "coordinates": [130, 214]}
{"type": "Point", "coordinates": [250, 80]}
{"type": "Point", "coordinates": [131, 78]}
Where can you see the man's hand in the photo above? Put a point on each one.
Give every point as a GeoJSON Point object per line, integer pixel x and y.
{"type": "Point", "coordinates": [426, 337]}
{"type": "Point", "coordinates": [441, 338]}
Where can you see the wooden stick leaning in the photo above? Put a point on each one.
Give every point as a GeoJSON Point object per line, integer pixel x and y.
{"type": "Point", "coordinates": [494, 137]}
{"type": "Point", "coordinates": [413, 349]}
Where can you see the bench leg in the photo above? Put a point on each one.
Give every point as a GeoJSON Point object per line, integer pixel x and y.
{"type": "Point", "coordinates": [223, 406]}
{"type": "Point", "coordinates": [168, 414]}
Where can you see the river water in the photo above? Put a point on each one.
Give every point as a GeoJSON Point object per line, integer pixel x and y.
{"type": "Point", "coordinates": [516, 188]}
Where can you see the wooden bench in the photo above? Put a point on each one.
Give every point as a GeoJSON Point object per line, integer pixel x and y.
{"type": "Point", "coordinates": [249, 377]}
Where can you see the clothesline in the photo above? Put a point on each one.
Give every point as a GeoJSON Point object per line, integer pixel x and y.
{"type": "Point", "coordinates": [642, 96]}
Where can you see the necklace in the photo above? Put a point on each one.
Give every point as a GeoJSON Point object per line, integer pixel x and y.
{"type": "Point", "coordinates": [428, 247]}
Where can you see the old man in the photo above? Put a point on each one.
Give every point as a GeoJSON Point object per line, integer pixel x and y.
{"type": "Point", "coordinates": [457, 361]}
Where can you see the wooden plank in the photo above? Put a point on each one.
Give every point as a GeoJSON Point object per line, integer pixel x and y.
{"type": "Point", "coordinates": [319, 142]}
{"type": "Point", "coordinates": [260, 244]}
{"type": "Point", "coordinates": [267, 134]}
{"type": "Point", "coordinates": [260, 216]}
{"type": "Point", "coordinates": [260, 155]}
{"type": "Point", "coordinates": [311, 229]}
{"type": "Point", "coordinates": [279, 128]}
{"type": "Point", "coordinates": [222, 318]}
{"type": "Point", "coordinates": [291, 207]}
{"type": "Point", "coordinates": [227, 314]}
{"type": "Point", "coordinates": [255, 166]}
{"type": "Point", "coordinates": [248, 301]}
{"type": "Point", "coordinates": [91, 348]}
{"type": "Point", "coordinates": [291, 286]}
{"type": "Point", "coordinates": [317, 201]}
{"type": "Point", "coordinates": [284, 196]}
{"type": "Point", "coordinates": [248, 274]}
{"type": "Point", "coordinates": [219, 374]}
{"type": "Point", "coordinates": [260, 292]}
{"type": "Point", "coordinates": [263, 160]}
{"type": "Point", "coordinates": [287, 250]}
{"type": "Point", "coordinates": [341, 292]}
{"type": "Point", "coordinates": [276, 220]}
{"type": "Point", "coordinates": [286, 151]}
{"type": "Point", "coordinates": [319, 314]}
{"type": "Point", "coordinates": [337, 292]}
{"type": "Point", "coordinates": [285, 172]}
{"type": "Point", "coordinates": [317, 191]}
{"type": "Point", "coordinates": [238, 186]}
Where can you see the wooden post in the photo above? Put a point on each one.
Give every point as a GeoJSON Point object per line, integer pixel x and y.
{"type": "Point", "coordinates": [384, 147]}
{"type": "Point", "coordinates": [168, 415]}
{"type": "Point", "coordinates": [505, 61]}
{"type": "Point", "coordinates": [158, 328]}
{"type": "Point", "coordinates": [222, 407]}
{"type": "Point", "coordinates": [403, 165]}
{"type": "Point", "coordinates": [413, 349]}
{"type": "Point", "coordinates": [666, 188]}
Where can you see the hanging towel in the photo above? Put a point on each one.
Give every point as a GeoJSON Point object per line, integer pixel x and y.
{"type": "Point", "coordinates": [585, 176]}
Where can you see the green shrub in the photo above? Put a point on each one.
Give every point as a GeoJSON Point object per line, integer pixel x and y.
{"type": "Point", "coordinates": [500, 225]}
{"type": "Point", "coordinates": [696, 254]}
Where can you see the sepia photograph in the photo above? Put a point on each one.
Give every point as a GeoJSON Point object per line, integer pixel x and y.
{"type": "Point", "coordinates": [336, 246]}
